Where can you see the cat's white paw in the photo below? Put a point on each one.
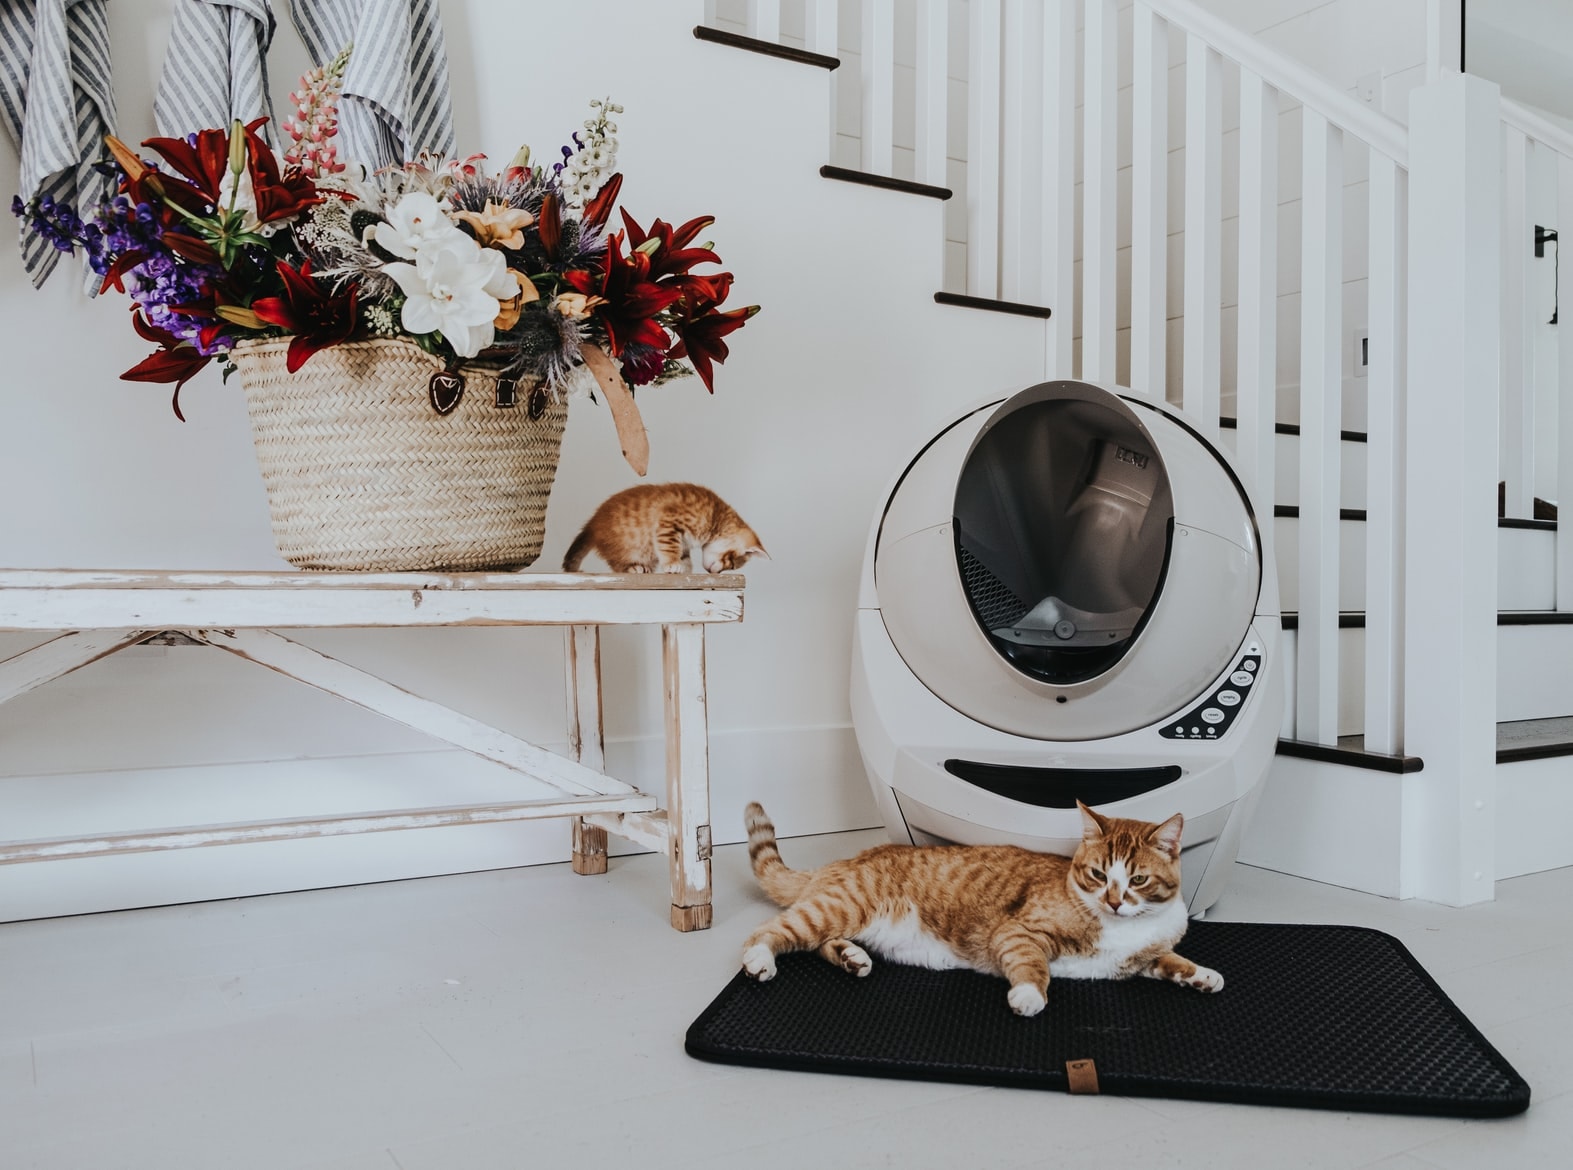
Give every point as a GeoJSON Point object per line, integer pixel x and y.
{"type": "Point", "coordinates": [637, 569]}
{"type": "Point", "coordinates": [1205, 979]}
{"type": "Point", "coordinates": [759, 962]}
{"type": "Point", "coordinates": [1026, 1000]}
{"type": "Point", "coordinates": [678, 567]}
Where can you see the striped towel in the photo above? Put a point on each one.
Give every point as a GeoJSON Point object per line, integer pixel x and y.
{"type": "Point", "coordinates": [215, 69]}
{"type": "Point", "coordinates": [395, 101]}
{"type": "Point", "coordinates": [58, 102]}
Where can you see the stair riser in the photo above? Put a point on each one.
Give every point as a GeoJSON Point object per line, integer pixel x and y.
{"type": "Point", "coordinates": [1534, 674]}
{"type": "Point", "coordinates": [1286, 468]}
{"type": "Point", "coordinates": [1526, 577]}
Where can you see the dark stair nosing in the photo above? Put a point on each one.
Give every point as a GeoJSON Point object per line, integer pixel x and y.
{"type": "Point", "coordinates": [1284, 428]}
{"type": "Point", "coordinates": [1348, 619]}
{"type": "Point", "coordinates": [1354, 619]}
{"type": "Point", "coordinates": [991, 305]}
{"type": "Point", "coordinates": [1519, 522]}
{"type": "Point", "coordinates": [1292, 511]}
{"type": "Point", "coordinates": [1351, 754]}
{"type": "Point", "coordinates": [869, 179]}
{"type": "Point", "coordinates": [1539, 751]}
{"type": "Point", "coordinates": [768, 48]}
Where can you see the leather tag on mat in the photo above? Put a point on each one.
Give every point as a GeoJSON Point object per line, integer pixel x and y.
{"type": "Point", "coordinates": [1081, 1076]}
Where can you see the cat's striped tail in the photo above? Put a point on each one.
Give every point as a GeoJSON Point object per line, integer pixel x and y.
{"type": "Point", "coordinates": [574, 557]}
{"type": "Point", "coordinates": [783, 885]}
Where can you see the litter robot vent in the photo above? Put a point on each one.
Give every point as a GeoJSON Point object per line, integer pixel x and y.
{"type": "Point", "coordinates": [993, 600]}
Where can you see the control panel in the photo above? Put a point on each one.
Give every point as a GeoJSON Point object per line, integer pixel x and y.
{"type": "Point", "coordinates": [1212, 717]}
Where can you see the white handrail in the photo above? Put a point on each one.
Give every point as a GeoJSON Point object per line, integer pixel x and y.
{"type": "Point", "coordinates": [1538, 127]}
{"type": "Point", "coordinates": [1290, 77]}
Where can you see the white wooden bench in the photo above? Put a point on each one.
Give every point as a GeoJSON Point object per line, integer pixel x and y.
{"type": "Point", "coordinates": [97, 613]}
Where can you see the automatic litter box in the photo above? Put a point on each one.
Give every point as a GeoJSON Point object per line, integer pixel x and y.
{"type": "Point", "coordinates": [1069, 594]}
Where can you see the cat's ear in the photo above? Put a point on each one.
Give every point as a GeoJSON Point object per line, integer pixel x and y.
{"type": "Point", "coordinates": [757, 550]}
{"type": "Point", "coordinates": [1093, 826]}
{"type": "Point", "coordinates": [1167, 835]}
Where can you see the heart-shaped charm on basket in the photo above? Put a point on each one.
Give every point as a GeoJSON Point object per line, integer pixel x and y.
{"type": "Point", "coordinates": [445, 388]}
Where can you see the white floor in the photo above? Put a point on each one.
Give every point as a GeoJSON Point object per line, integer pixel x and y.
{"type": "Point", "coordinates": [532, 1018]}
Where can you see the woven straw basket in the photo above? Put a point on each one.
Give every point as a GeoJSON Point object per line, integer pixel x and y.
{"type": "Point", "coordinates": [363, 473]}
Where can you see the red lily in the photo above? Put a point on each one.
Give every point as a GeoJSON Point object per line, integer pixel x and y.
{"type": "Point", "coordinates": [672, 256]}
{"type": "Point", "coordinates": [175, 362]}
{"type": "Point", "coordinates": [632, 298]}
{"type": "Point", "coordinates": [202, 163]}
{"type": "Point", "coordinates": [701, 330]}
{"type": "Point", "coordinates": [599, 209]}
{"type": "Point", "coordinates": [278, 196]}
{"type": "Point", "coordinates": [317, 319]}
{"type": "Point", "coordinates": [549, 226]}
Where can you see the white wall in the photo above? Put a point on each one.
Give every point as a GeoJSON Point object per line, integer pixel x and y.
{"type": "Point", "coordinates": [828, 389]}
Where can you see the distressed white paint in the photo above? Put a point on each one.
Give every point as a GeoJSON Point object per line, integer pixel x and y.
{"type": "Point", "coordinates": [59, 656]}
{"type": "Point", "coordinates": [586, 733]}
{"type": "Point", "coordinates": [687, 773]}
{"type": "Point", "coordinates": [82, 599]}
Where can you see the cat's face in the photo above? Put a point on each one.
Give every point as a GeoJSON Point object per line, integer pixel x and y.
{"type": "Point", "coordinates": [1124, 868]}
{"type": "Point", "coordinates": [727, 554]}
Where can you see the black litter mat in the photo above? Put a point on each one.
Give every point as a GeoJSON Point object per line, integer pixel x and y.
{"type": "Point", "coordinates": [1332, 1017]}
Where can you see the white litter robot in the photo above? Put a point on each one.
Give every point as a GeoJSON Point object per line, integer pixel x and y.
{"type": "Point", "coordinates": [1069, 594]}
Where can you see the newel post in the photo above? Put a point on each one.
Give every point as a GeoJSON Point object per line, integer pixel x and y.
{"type": "Point", "coordinates": [1449, 438]}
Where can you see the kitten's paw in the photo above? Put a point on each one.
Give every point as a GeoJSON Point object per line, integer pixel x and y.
{"type": "Point", "coordinates": [1205, 979]}
{"type": "Point", "coordinates": [637, 569]}
{"type": "Point", "coordinates": [1026, 1000]}
{"type": "Point", "coordinates": [759, 962]}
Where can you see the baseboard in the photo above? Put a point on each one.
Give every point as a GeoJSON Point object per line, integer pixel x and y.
{"type": "Point", "coordinates": [811, 780]}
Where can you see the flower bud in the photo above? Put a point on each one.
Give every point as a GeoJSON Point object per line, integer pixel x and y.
{"type": "Point", "coordinates": [237, 147]}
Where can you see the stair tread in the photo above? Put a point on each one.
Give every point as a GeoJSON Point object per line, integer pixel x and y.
{"type": "Point", "coordinates": [1351, 752]}
{"type": "Point", "coordinates": [888, 182]}
{"type": "Point", "coordinates": [768, 48]}
{"type": "Point", "coordinates": [1534, 739]}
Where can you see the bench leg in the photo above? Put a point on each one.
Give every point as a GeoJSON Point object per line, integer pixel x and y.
{"type": "Point", "coordinates": [687, 773]}
{"type": "Point", "coordinates": [586, 734]}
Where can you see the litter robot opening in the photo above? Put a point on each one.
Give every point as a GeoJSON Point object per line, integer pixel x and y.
{"type": "Point", "coordinates": [1063, 525]}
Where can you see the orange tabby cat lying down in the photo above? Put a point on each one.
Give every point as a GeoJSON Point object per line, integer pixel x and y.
{"type": "Point", "coordinates": [1110, 912]}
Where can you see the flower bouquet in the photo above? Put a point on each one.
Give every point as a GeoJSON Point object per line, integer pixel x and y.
{"type": "Point", "coordinates": [358, 306]}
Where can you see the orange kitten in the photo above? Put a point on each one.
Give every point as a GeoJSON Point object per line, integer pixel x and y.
{"type": "Point", "coordinates": [653, 527]}
{"type": "Point", "coordinates": [1110, 912]}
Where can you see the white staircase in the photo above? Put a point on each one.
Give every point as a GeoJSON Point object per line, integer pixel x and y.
{"type": "Point", "coordinates": [1210, 221]}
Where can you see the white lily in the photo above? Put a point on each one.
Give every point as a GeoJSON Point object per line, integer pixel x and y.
{"type": "Point", "coordinates": [416, 223]}
{"type": "Point", "coordinates": [455, 288]}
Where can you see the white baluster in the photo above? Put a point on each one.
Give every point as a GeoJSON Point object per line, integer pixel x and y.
{"type": "Point", "coordinates": [932, 91]}
{"type": "Point", "coordinates": [879, 84]}
{"type": "Point", "coordinates": [1257, 363]}
{"type": "Point", "coordinates": [1021, 158]}
{"type": "Point", "coordinates": [764, 19]}
{"type": "Point", "coordinates": [1203, 204]}
{"type": "Point", "coordinates": [1518, 335]}
{"type": "Point", "coordinates": [1385, 393]}
{"type": "Point", "coordinates": [1099, 194]}
{"type": "Point", "coordinates": [1564, 395]}
{"type": "Point", "coordinates": [983, 148]}
{"type": "Point", "coordinates": [1321, 401]}
{"type": "Point", "coordinates": [821, 35]}
{"type": "Point", "coordinates": [1149, 202]}
{"type": "Point", "coordinates": [1058, 184]}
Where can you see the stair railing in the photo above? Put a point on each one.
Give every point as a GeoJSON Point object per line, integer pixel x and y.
{"type": "Point", "coordinates": [1537, 197]}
